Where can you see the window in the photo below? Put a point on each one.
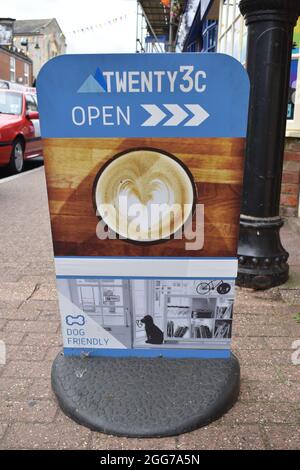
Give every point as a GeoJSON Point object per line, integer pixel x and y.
{"type": "Point", "coordinates": [12, 69]}
{"type": "Point", "coordinates": [30, 103]}
{"type": "Point", "coordinates": [230, 7]}
{"type": "Point", "coordinates": [223, 16]}
{"type": "Point", "coordinates": [233, 33]}
{"type": "Point", "coordinates": [244, 46]}
{"type": "Point", "coordinates": [292, 88]}
{"type": "Point", "coordinates": [10, 102]}
{"type": "Point", "coordinates": [229, 39]}
{"type": "Point", "coordinates": [222, 44]}
{"type": "Point", "coordinates": [293, 111]}
{"type": "Point", "coordinates": [236, 52]}
{"type": "Point", "coordinates": [192, 47]}
{"type": "Point", "coordinates": [209, 34]}
{"type": "Point", "coordinates": [35, 99]}
{"type": "Point", "coordinates": [232, 40]}
{"type": "Point", "coordinates": [26, 74]}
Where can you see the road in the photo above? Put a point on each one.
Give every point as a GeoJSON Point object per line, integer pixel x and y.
{"type": "Point", "coordinates": [28, 166]}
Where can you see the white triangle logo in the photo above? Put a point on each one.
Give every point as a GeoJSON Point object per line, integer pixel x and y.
{"type": "Point", "coordinates": [90, 85]}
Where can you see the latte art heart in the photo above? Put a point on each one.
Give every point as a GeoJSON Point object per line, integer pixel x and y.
{"type": "Point", "coordinates": [144, 195]}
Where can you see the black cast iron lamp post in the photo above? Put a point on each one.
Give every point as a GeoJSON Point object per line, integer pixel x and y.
{"type": "Point", "coordinates": [262, 258]}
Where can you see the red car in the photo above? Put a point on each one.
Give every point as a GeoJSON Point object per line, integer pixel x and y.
{"type": "Point", "coordinates": [20, 136]}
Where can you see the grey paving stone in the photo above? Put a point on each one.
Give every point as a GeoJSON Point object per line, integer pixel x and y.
{"type": "Point", "coordinates": [241, 437]}
{"type": "Point", "coordinates": [283, 437]}
{"type": "Point", "coordinates": [46, 436]}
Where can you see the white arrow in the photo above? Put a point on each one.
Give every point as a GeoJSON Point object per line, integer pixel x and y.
{"type": "Point", "coordinates": [178, 115]}
{"type": "Point", "coordinates": [156, 114]}
{"type": "Point", "coordinates": [199, 115]}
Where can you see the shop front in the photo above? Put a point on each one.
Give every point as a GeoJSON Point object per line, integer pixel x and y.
{"type": "Point", "coordinates": [218, 26]}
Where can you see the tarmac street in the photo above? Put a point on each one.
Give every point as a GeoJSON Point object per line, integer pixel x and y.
{"type": "Point", "coordinates": [266, 337]}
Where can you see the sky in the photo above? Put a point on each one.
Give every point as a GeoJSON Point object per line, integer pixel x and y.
{"type": "Point", "coordinates": [117, 36]}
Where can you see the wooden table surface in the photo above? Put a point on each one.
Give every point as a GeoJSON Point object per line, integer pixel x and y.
{"type": "Point", "coordinates": [72, 165]}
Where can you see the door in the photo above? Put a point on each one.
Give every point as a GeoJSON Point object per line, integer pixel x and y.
{"type": "Point", "coordinates": [107, 302]}
{"type": "Point", "coordinates": [144, 302]}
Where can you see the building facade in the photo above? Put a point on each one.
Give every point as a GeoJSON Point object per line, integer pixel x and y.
{"type": "Point", "coordinates": [15, 67]}
{"type": "Point", "coordinates": [218, 26]}
{"type": "Point", "coordinates": [40, 40]}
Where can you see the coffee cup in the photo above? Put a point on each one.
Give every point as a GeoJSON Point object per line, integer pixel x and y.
{"type": "Point", "coordinates": [144, 195]}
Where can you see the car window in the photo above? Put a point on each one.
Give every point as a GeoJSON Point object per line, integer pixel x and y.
{"type": "Point", "coordinates": [30, 103]}
{"type": "Point", "coordinates": [35, 99]}
{"type": "Point", "coordinates": [10, 103]}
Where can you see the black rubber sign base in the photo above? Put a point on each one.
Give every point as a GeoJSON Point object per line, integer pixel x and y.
{"type": "Point", "coordinates": [145, 397]}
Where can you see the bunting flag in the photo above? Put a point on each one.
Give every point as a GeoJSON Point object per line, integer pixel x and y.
{"type": "Point", "coordinates": [93, 28]}
{"type": "Point", "coordinates": [85, 29]}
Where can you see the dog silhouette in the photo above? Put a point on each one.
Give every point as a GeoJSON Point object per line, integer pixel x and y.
{"type": "Point", "coordinates": [154, 334]}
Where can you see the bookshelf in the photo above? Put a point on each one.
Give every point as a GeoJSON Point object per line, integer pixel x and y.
{"type": "Point", "coordinates": [191, 318]}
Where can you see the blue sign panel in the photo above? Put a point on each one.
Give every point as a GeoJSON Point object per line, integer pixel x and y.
{"type": "Point", "coordinates": [155, 95]}
{"type": "Point", "coordinates": [144, 167]}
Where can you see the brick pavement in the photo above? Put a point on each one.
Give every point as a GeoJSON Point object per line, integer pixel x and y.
{"type": "Point", "coordinates": [266, 416]}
